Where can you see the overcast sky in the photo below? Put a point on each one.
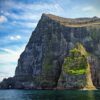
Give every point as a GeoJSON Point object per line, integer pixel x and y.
{"type": "Point", "coordinates": [18, 18]}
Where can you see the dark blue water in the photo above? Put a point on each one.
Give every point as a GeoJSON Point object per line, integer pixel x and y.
{"type": "Point", "coordinates": [49, 95]}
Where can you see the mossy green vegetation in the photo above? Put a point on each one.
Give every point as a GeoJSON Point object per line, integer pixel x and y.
{"type": "Point", "coordinates": [76, 63]}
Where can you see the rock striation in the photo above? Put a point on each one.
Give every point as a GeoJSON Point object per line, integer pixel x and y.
{"type": "Point", "coordinates": [62, 53]}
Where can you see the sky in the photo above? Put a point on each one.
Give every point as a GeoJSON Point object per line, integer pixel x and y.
{"type": "Point", "coordinates": [18, 18]}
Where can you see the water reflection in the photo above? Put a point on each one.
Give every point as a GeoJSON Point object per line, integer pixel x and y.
{"type": "Point", "coordinates": [49, 95]}
{"type": "Point", "coordinates": [90, 95]}
{"type": "Point", "coordinates": [63, 95]}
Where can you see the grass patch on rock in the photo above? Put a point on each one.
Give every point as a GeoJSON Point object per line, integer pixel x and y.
{"type": "Point", "coordinates": [76, 63]}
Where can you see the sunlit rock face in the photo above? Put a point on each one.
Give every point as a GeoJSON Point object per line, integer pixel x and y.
{"type": "Point", "coordinates": [41, 65]}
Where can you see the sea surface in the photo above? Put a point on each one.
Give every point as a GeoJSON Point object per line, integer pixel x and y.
{"type": "Point", "coordinates": [49, 95]}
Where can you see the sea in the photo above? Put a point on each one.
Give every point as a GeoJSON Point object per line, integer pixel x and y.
{"type": "Point", "coordinates": [49, 95]}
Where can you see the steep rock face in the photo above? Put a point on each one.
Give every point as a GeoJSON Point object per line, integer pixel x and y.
{"type": "Point", "coordinates": [41, 63]}
{"type": "Point", "coordinates": [43, 55]}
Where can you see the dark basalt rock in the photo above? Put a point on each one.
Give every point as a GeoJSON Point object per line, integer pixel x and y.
{"type": "Point", "coordinates": [40, 64]}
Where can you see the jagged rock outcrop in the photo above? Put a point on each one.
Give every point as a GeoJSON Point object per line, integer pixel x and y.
{"type": "Point", "coordinates": [40, 66]}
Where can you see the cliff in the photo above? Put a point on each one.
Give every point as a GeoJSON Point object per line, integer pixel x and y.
{"type": "Point", "coordinates": [62, 53]}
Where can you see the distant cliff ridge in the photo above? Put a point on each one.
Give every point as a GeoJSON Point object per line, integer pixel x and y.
{"type": "Point", "coordinates": [62, 53]}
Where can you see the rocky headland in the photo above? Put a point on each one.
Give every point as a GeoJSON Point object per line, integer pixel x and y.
{"type": "Point", "coordinates": [62, 53]}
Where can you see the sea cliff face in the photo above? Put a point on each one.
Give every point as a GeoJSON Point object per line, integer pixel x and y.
{"type": "Point", "coordinates": [61, 54]}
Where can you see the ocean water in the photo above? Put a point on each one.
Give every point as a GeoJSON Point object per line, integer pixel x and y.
{"type": "Point", "coordinates": [49, 95]}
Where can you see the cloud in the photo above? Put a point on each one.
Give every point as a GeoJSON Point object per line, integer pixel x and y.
{"type": "Point", "coordinates": [27, 18]}
{"type": "Point", "coordinates": [7, 50]}
{"type": "Point", "coordinates": [85, 10]}
{"type": "Point", "coordinates": [3, 19]}
{"type": "Point", "coordinates": [32, 11]}
{"type": "Point", "coordinates": [7, 70]}
{"type": "Point", "coordinates": [25, 25]}
{"type": "Point", "coordinates": [11, 55]}
{"type": "Point", "coordinates": [88, 8]}
{"type": "Point", "coordinates": [16, 37]}
{"type": "Point", "coordinates": [8, 61]}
